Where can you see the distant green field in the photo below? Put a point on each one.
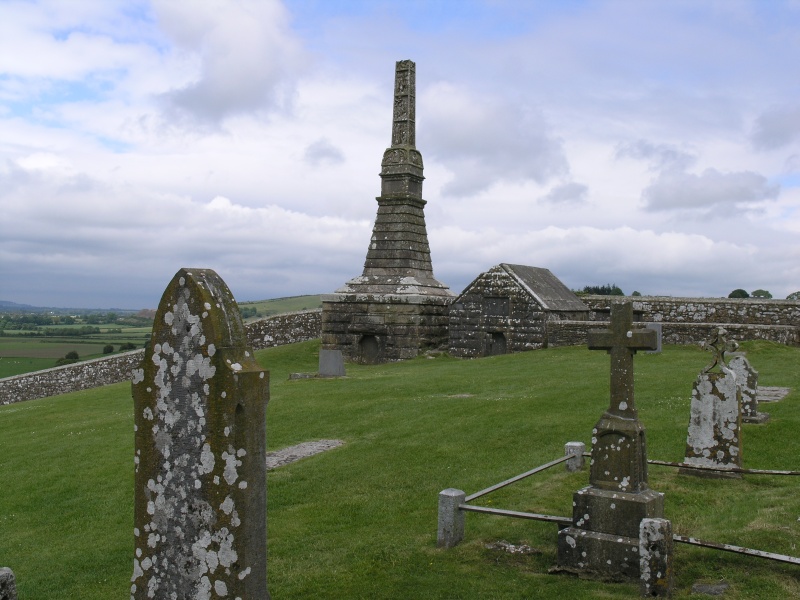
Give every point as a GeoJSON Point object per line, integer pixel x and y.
{"type": "Point", "coordinates": [277, 306]}
{"type": "Point", "coordinates": [22, 354]}
{"type": "Point", "coordinates": [359, 522]}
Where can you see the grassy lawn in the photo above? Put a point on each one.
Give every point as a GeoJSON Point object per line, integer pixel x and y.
{"type": "Point", "coordinates": [284, 305]}
{"type": "Point", "coordinates": [360, 521]}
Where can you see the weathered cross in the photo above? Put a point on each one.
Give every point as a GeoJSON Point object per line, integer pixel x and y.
{"type": "Point", "coordinates": [622, 341]}
{"type": "Point", "coordinates": [404, 128]}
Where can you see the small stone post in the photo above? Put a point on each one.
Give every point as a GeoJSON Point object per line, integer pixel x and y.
{"type": "Point", "coordinates": [8, 584]}
{"type": "Point", "coordinates": [200, 503]}
{"type": "Point", "coordinates": [576, 449]}
{"type": "Point", "coordinates": [655, 558]}
{"type": "Point", "coordinates": [451, 519]}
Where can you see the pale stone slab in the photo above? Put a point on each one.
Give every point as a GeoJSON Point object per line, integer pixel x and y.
{"type": "Point", "coordinates": [331, 363]}
{"type": "Point", "coordinates": [714, 438]}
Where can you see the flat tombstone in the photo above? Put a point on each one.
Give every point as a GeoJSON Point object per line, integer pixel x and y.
{"type": "Point", "coordinates": [331, 363]}
{"type": "Point", "coordinates": [200, 484]}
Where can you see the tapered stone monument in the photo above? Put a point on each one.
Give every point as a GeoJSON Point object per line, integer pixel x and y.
{"type": "Point", "coordinates": [396, 308]}
{"type": "Point", "coordinates": [604, 535]}
{"type": "Point", "coordinates": [200, 472]}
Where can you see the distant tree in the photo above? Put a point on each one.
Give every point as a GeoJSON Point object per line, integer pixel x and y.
{"type": "Point", "coordinates": [108, 349]}
{"type": "Point", "coordinates": [635, 293]}
{"type": "Point", "coordinates": [739, 293]}
{"type": "Point", "coordinates": [127, 346]}
{"type": "Point", "coordinates": [248, 311]}
{"type": "Point", "coordinates": [111, 317]}
{"type": "Point", "coordinates": [761, 294]}
{"type": "Point", "coordinates": [67, 320]}
{"type": "Point", "coordinates": [793, 296]}
{"type": "Point", "coordinates": [69, 357]}
{"type": "Point", "coordinates": [609, 289]}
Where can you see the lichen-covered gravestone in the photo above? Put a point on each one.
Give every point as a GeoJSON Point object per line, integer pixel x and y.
{"type": "Point", "coordinates": [747, 380]}
{"type": "Point", "coordinates": [714, 439]}
{"type": "Point", "coordinates": [199, 410]}
{"type": "Point", "coordinates": [604, 535]}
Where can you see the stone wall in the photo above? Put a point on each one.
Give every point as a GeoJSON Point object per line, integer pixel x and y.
{"type": "Point", "coordinates": [376, 328]}
{"type": "Point", "coordinates": [665, 309]}
{"type": "Point", "coordinates": [264, 333]}
{"type": "Point", "coordinates": [284, 329]}
{"type": "Point", "coordinates": [574, 333]}
{"type": "Point", "coordinates": [495, 305]}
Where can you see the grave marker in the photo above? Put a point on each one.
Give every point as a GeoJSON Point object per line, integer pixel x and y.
{"type": "Point", "coordinates": [714, 438]}
{"type": "Point", "coordinates": [604, 535]}
{"type": "Point", "coordinates": [200, 481]}
{"type": "Point", "coordinates": [747, 380]}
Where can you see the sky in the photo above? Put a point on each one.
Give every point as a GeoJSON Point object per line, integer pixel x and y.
{"type": "Point", "coordinates": [654, 145]}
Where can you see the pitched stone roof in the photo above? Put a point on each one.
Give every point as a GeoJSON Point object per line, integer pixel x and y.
{"type": "Point", "coordinates": [545, 287]}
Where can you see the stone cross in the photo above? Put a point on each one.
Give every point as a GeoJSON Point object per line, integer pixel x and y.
{"type": "Point", "coordinates": [606, 514]}
{"type": "Point", "coordinates": [404, 127]}
{"type": "Point", "coordinates": [622, 341]}
{"type": "Point", "coordinates": [200, 470]}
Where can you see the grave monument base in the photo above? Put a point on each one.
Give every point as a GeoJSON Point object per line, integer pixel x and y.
{"type": "Point", "coordinates": [759, 418]}
{"type": "Point", "coordinates": [604, 537]}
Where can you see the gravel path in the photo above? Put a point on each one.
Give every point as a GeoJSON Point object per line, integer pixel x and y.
{"type": "Point", "coordinates": [291, 454]}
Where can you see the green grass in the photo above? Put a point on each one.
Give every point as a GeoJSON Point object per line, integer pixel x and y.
{"type": "Point", "coordinates": [360, 521]}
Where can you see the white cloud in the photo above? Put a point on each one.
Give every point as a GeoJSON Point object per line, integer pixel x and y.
{"type": "Point", "coordinates": [777, 128]}
{"type": "Point", "coordinates": [484, 140]}
{"type": "Point", "coordinates": [678, 189]}
{"type": "Point", "coordinates": [245, 53]}
{"type": "Point", "coordinates": [566, 193]}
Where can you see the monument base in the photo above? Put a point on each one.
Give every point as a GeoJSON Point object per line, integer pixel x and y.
{"type": "Point", "coordinates": [604, 536]}
{"type": "Point", "coordinates": [757, 418]}
{"type": "Point", "coordinates": [594, 553]}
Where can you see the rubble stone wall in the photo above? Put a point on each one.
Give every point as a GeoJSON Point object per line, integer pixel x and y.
{"type": "Point", "coordinates": [264, 333]}
{"type": "Point", "coordinates": [574, 333]}
{"type": "Point", "coordinates": [664, 309]}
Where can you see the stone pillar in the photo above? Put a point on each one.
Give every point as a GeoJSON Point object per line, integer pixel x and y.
{"type": "Point", "coordinates": [656, 558]}
{"type": "Point", "coordinates": [451, 519]}
{"type": "Point", "coordinates": [200, 476]}
{"type": "Point", "coordinates": [8, 584]}
{"type": "Point", "coordinates": [747, 380]}
{"type": "Point", "coordinates": [715, 425]}
{"type": "Point", "coordinates": [576, 449]}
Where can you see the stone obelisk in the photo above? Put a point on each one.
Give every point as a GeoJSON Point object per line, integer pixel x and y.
{"type": "Point", "coordinates": [396, 308]}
